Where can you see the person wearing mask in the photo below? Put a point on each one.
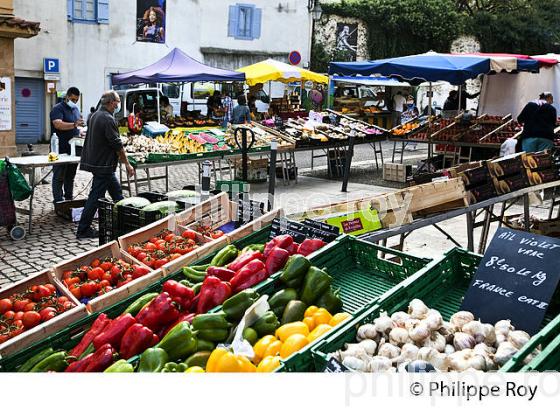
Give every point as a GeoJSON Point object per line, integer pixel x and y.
{"type": "Point", "coordinates": [398, 107]}
{"type": "Point", "coordinates": [241, 113]}
{"type": "Point", "coordinates": [165, 107]}
{"type": "Point", "coordinates": [100, 155]}
{"type": "Point", "coordinates": [65, 119]}
{"type": "Point", "coordinates": [539, 120]}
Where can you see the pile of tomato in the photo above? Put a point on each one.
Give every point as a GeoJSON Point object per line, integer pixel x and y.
{"type": "Point", "coordinates": [25, 310]}
{"type": "Point", "coordinates": [101, 276]}
{"type": "Point", "coordinates": [163, 248]}
{"type": "Point", "coordinates": [209, 232]}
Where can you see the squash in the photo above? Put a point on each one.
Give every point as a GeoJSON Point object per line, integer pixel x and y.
{"type": "Point", "coordinates": [133, 201]}
{"type": "Point", "coordinates": [164, 207]}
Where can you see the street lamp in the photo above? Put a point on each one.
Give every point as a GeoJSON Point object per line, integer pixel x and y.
{"type": "Point", "coordinates": [317, 12]}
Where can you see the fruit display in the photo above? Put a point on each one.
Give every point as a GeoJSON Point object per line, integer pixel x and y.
{"type": "Point", "coordinates": [435, 126]}
{"type": "Point", "coordinates": [101, 276]}
{"type": "Point", "coordinates": [207, 231]}
{"type": "Point", "coordinates": [22, 311]}
{"type": "Point", "coordinates": [189, 121]}
{"type": "Point", "coordinates": [262, 138]}
{"type": "Point", "coordinates": [405, 129]}
{"type": "Point", "coordinates": [184, 142]}
{"type": "Point", "coordinates": [420, 339]}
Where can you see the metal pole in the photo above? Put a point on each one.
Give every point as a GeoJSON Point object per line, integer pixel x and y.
{"type": "Point", "coordinates": [244, 158]}
{"type": "Point", "coordinates": [205, 194]}
{"type": "Point", "coordinates": [348, 161]}
{"type": "Point", "coordinates": [272, 173]}
{"type": "Point", "coordinates": [460, 89]}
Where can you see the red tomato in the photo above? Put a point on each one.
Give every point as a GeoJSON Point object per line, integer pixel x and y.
{"type": "Point", "coordinates": [47, 313]}
{"type": "Point", "coordinates": [138, 271]}
{"type": "Point", "coordinates": [31, 319]}
{"type": "Point", "coordinates": [85, 268]}
{"type": "Point", "coordinates": [89, 289]}
{"type": "Point", "coordinates": [116, 270]}
{"type": "Point", "coordinates": [150, 247]}
{"type": "Point", "coordinates": [3, 338]}
{"type": "Point", "coordinates": [76, 291]}
{"type": "Point", "coordinates": [95, 263]}
{"type": "Point", "coordinates": [41, 292]}
{"type": "Point", "coordinates": [106, 266]}
{"type": "Point", "coordinates": [67, 275]}
{"type": "Point", "coordinates": [162, 247]}
{"type": "Point", "coordinates": [9, 315]}
{"type": "Point", "coordinates": [18, 316]}
{"type": "Point", "coordinates": [141, 255]}
{"type": "Point", "coordinates": [30, 306]}
{"type": "Point", "coordinates": [51, 287]}
{"type": "Point", "coordinates": [67, 305]}
{"type": "Point", "coordinates": [5, 305]}
{"type": "Point", "coordinates": [95, 274]}
{"type": "Point", "coordinates": [71, 281]}
{"type": "Point", "coordinates": [19, 304]}
{"type": "Point", "coordinates": [160, 262]}
{"type": "Point", "coordinates": [148, 261]}
{"type": "Point", "coordinates": [104, 283]}
{"type": "Point", "coordinates": [216, 234]}
{"type": "Point", "coordinates": [189, 234]}
{"type": "Point", "coordinates": [153, 239]}
{"type": "Point", "coordinates": [18, 329]}
{"type": "Point", "coordinates": [174, 256]}
{"type": "Point", "coordinates": [169, 237]}
{"type": "Point", "coordinates": [62, 299]}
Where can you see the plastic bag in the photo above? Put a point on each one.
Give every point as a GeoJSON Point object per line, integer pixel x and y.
{"type": "Point", "coordinates": [19, 187]}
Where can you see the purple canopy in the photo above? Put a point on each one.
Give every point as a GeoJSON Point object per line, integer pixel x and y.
{"type": "Point", "coordinates": [176, 67]}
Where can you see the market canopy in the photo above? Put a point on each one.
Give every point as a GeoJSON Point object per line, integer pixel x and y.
{"type": "Point", "coordinates": [453, 68]}
{"type": "Point", "coordinates": [176, 67]}
{"type": "Point", "coordinates": [272, 70]}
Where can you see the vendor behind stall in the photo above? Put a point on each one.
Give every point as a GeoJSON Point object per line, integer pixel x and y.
{"type": "Point", "coordinates": [165, 107]}
{"type": "Point", "coordinates": [214, 105]}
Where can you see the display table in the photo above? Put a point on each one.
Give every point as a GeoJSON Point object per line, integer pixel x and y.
{"type": "Point", "coordinates": [28, 165]}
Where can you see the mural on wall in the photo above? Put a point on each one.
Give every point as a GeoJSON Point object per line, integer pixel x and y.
{"type": "Point", "coordinates": [347, 39]}
{"type": "Point", "coordinates": [150, 21]}
{"type": "Point", "coordinates": [5, 104]}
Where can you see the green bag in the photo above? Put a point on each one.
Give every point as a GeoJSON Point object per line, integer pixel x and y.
{"type": "Point", "coordinates": [19, 187]}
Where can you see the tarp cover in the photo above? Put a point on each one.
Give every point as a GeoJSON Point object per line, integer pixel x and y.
{"type": "Point", "coordinates": [272, 70]}
{"type": "Point", "coordinates": [176, 67]}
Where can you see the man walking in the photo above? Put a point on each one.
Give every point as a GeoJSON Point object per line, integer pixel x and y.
{"type": "Point", "coordinates": [65, 119]}
{"type": "Point", "coordinates": [102, 151]}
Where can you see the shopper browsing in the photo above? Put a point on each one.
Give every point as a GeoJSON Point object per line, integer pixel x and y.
{"type": "Point", "coordinates": [539, 120]}
{"type": "Point", "coordinates": [65, 119]}
{"type": "Point", "coordinates": [398, 108]}
{"type": "Point", "coordinates": [102, 151]}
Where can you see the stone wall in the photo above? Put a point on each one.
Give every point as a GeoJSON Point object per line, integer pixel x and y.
{"type": "Point", "coordinates": [325, 33]}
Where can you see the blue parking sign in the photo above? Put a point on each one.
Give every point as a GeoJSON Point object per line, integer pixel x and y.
{"type": "Point", "coordinates": [51, 65]}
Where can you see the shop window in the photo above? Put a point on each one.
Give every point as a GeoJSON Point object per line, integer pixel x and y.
{"type": "Point", "coordinates": [88, 11]}
{"type": "Point", "coordinates": [244, 22]}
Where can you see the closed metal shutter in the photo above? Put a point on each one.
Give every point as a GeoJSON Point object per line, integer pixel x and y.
{"type": "Point", "coordinates": [30, 110]}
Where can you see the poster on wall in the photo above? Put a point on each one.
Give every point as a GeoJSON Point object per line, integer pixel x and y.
{"type": "Point", "coordinates": [347, 40]}
{"type": "Point", "coordinates": [150, 21]}
{"type": "Point", "coordinates": [5, 104]}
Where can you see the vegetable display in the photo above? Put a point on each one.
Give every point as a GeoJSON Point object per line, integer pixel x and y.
{"type": "Point", "coordinates": [421, 339]}
{"type": "Point", "coordinates": [22, 311]}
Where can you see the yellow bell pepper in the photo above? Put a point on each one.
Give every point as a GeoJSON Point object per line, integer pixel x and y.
{"type": "Point", "coordinates": [273, 349]}
{"type": "Point", "coordinates": [260, 347]}
{"type": "Point", "coordinates": [195, 369]}
{"type": "Point", "coordinates": [268, 364]}
{"type": "Point", "coordinates": [339, 318]}
{"type": "Point", "coordinates": [322, 316]}
{"type": "Point", "coordinates": [310, 322]}
{"type": "Point", "coordinates": [214, 358]}
{"type": "Point", "coordinates": [318, 332]}
{"type": "Point", "coordinates": [293, 344]}
{"type": "Point", "coordinates": [285, 331]}
{"type": "Point", "coordinates": [310, 311]}
{"type": "Point", "coordinates": [231, 363]}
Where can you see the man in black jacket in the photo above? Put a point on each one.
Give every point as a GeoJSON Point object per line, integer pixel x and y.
{"type": "Point", "coordinates": [539, 120]}
{"type": "Point", "coordinates": [100, 155]}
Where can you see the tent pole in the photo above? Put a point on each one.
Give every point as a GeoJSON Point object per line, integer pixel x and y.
{"type": "Point", "coordinates": [158, 109]}
{"type": "Point", "coordinates": [460, 89]}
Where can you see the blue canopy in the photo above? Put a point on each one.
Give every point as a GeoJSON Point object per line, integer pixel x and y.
{"type": "Point", "coordinates": [453, 68]}
{"type": "Point", "coordinates": [372, 81]}
{"type": "Point", "coordinates": [176, 67]}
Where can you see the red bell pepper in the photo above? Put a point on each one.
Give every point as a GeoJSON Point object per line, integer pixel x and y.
{"type": "Point", "coordinates": [256, 277]}
{"type": "Point", "coordinates": [96, 328]}
{"type": "Point", "coordinates": [212, 293]}
{"type": "Point", "coordinates": [244, 259]}
{"type": "Point", "coordinates": [276, 260]}
{"type": "Point", "coordinates": [181, 294]}
{"type": "Point", "coordinates": [79, 366]}
{"type": "Point", "coordinates": [136, 339]}
{"type": "Point", "coordinates": [282, 241]}
{"type": "Point", "coordinates": [114, 332]}
{"type": "Point", "coordinates": [224, 274]}
{"type": "Point", "coordinates": [293, 249]}
{"type": "Point", "coordinates": [101, 359]}
{"type": "Point", "coordinates": [158, 313]}
{"type": "Point", "coordinates": [309, 246]}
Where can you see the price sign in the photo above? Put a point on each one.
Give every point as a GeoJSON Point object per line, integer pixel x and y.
{"type": "Point", "coordinates": [248, 211]}
{"type": "Point", "coordinates": [334, 366]}
{"type": "Point", "coordinates": [515, 280]}
{"type": "Point", "coordinates": [300, 231]}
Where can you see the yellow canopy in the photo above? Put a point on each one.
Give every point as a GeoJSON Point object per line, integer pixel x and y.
{"type": "Point", "coordinates": [272, 70]}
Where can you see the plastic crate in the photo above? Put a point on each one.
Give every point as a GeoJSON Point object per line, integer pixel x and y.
{"type": "Point", "coordinates": [441, 285]}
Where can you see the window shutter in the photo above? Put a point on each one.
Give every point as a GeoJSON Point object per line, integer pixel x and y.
{"type": "Point", "coordinates": [70, 9]}
{"type": "Point", "coordinates": [233, 21]}
{"type": "Point", "coordinates": [103, 11]}
{"type": "Point", "coordinates": [256, 21]}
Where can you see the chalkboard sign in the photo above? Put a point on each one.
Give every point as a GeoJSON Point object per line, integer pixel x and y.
{"type": "Point", "coordinates": [299, 231]}
{"type": "Point", "coordinates": [321, 226]}
{"type": "Point", "coordinates": [515, 280]}
{"type": "Point", "coordinates": [334, 366]}
{"type": "Point", "coordinates": [278, 122]}
{"type": "Point", "coordinates": [248, 210]}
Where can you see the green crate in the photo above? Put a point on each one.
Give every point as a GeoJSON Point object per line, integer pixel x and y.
{"type": "Point", "coordinates": [441, 285]}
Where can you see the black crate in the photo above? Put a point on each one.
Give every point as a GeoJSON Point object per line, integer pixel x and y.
{"type": "Point", "coordinates": [106, 220]}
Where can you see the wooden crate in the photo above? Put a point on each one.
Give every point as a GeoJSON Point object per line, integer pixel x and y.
{"type": "Point", "coordinates": [45, 329]}
{"type": "Point", "coordinates": [437, 196]}
{"type": "Point", "coordinates": [110, 250]}
{"type": "Point", "coordinates": [254, 225]}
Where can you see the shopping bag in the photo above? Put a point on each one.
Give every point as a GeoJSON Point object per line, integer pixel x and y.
{"type": "Point", "coordinates": [19, 187]}
{"type": "Point", "coordinates": [7, 206]}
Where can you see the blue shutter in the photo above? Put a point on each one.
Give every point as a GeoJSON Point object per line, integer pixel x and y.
{"type": "Point", "coordinates": [70, 9]}
{"type": "Point", "coordinates": [256, 23]}
{"type": "Point", "coordinates": [233, 21]}
{"type": "Point", "coordinates": [103, 11]}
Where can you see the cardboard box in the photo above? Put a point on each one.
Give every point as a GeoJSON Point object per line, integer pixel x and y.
{"type": "Point", "coordinates": [506, 166]}
{"type": "Point", "coordinates": [543, 176]}
{"type": "Point", "coordinates": [537, 160]}
{"type": "Point", "coordinates": [356, 223]}
{"type": "Point", "coordinates": [511, 183]}
{"type": "Point", "coordinates": [396, 172]}
{"type": "Point", "coordinates": [481, 193]}
{"type": "Point", "coordinates": [474, 177]}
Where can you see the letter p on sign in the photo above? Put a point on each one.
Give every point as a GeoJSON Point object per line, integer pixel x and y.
{"type": "Point", "coordinates": [51, 66]}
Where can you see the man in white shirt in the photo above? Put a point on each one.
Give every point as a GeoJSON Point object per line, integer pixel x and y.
{"type": "Point", "coordinates": [398, 107]}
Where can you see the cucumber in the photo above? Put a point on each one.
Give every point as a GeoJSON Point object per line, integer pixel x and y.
{"type": "Point", "coordinates": [198, 359]}
{"type": "Point", "coordinates": [294, 311]}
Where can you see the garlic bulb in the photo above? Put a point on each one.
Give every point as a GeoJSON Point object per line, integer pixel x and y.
{"type": "Point", "coordinates": [419, 333]}
{"type": "Point", "coordinates": [436, 340]}
{"type": "Point", "coordinates": [383, 324]}
{"type": "Point", "coordinates": [399, 318]}
{"type": "Point", "coordinates": [410, 323]}
{"type": "Point", "coordinates": [500, 338]}
{"type": "Point", "coordinates": [503, 327]}
{"type": "Point", "coordinates": [459, 319]}
{"type": "Point", "coordinates": [440, 361]}
{"type": "Point", "coordinates": [476, 329]}
{"type": "Point", "coordinates": [398, 336]}
{"type": "Point", "coordinates": [379, 364]}
{"type": "Point", "coordinates": [505, 352]}
{"type": "Point", "coordinates": [490, 338]}
{"type": "Point", "coordinates": [518, 338]}
{"type": "Point", "coordinates": [417, 309]}
{"type": "Point", "coordinates": [463, 341]}
{"type": "Point", "coordinates": [366, 332]}
{"type": "Point", "coordinates": [433, 320]}
{"type": "Point", "coordinates": [465, 359]}
{"type": "Point", "coordinates": [484, 349]}
{"type": "Point", "coordinates": [388, 350]}
{"type": "Point", "coordinates": [409, 352]}
{"type": "Point", "coordinates": [352, 349]}
{"type": "Point", "coordinates": [449, 349]}
{"type": "Point", "coordinates": [425, 353]}
{"type": "Point", "coordinates": [369, 346]}
{"type": "Point", "coordinates": [354, 363]}
{"type": "Point", "coordinates": [447, 331]}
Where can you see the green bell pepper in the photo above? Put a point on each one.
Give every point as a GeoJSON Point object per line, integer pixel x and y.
{"type": "Point", "coordinates": [214, 335]}
{"type": "Point", "coordinates": [211, 321]}
{"type": "Point", "coordinates": [56, 362]}
{"type": "Point", "coordinates": [266, 324]}
{"type": "Point", "coordinates": [198, 359]}
{"type": "Point", "coordinates": [139, 303]}
{"type": "Point", "coordinates": [224, 256]}
{"type": "Point", "coordinates": [330, 300]}
{"type": "Point", "coordinates": [204, 345]}
{"type": "Point", "coordinates": [179, 342]}
{"type": "Point", "coordinates": [254, 247]}
{"type": "Point", "coordinates": [235, 306]}
{"type": "Point", "coordinates": [120, 366]}
{"type": "Point", "coordinates": [192, 275]}
{"type": "Point", "coordinates": [316, 282]}
{"type": "Point", "coordinates": [153, 360]}
{"type": "Point", "coordinates": [296, 268]}
{"type": "Point", "coordinates": [280, 299]}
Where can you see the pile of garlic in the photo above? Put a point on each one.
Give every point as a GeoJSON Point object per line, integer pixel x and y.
{"type": "Point", "coordinates": [461, 344]}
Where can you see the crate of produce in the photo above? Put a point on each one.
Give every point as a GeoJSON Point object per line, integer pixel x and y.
{"type": "Point", "coordinates": [52, 314]}
{"type": "Point", "coordinates": [441, 286]}
{"type": "Point", "coordinates": [109, 258]}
